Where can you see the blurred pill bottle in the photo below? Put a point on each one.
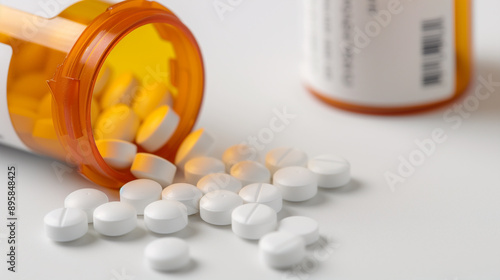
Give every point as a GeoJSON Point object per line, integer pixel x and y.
{"type": "Point", "coordinates": [387, 56]}
{"type": "Point", "coordinates": [49, 69]}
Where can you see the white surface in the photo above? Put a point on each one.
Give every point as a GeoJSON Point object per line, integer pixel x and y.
{"type": "Point", "coordinates": [442, 223]}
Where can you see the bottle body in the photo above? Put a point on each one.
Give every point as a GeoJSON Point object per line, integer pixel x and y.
{"type": "Point", "coordinates": [51, 76]}
{"type": "Point", "coordinates": [387, 56]}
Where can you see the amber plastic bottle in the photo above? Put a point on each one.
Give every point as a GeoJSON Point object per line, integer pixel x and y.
{"type": "Point", "coordinates": [387, 57]}
{"type": "Point", "coordinates": [64, 55]}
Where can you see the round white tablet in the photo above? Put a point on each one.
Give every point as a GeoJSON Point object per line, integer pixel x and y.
{"type": "Point", "coordinates": [198, 167]}
{"type": "Point", "coordinates": [115, 218]}
{"type": "Point", "coordinates": [219, 181]}
{"type": "Point", "coordinates": [332, 171]}
{"type": "Point", "coordinates": [116, 122]}
{"type": "Point", "coordinates": [148, 166]}
{"type": "Point", "coordinates": [139, 193]}
{"type": "Point", "coordinates": [167, 254]}
{"type": "Point", "coordinates": [304, 227]}
{"type": "Point", "coordinates": [253, 220]}
{"type": "Point", "coordinates": [198, 143]}
{"type": "Point", "coordinates": [117, 153]}
{"type": "Point", "coordinates": [263, 193]}
{"type": "Point", "coordinates": [165, 216]}
{"type": "Point", "coordinates": [238, 153]}
{"type": "Point", "coordinates": [296, 183]}
{"type": "Point", "coordinates": [86, 200]}
{"type": "Point", "coordinates": [187, 194]}
{"type": "Point", "coordinates": [249, 172]}
{"type": "Point", "coordinates": [281, 249]}
{"type": "Point", "coordinates": [216, 207]}
{"type": "Point", "coordinates": [65, 224]}
{"type": "Point", "coordinates": [284, 157]}
{"type": "Point", "coordinates": [156, 129]}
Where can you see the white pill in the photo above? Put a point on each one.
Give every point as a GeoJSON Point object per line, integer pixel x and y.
{"type": "Point", "coordinates": [120, 90]}
{"type": "Point", "coordinates": [140, 193]}
{"type": "Point", "coordinates": [249, 172]}
{"type": "Point", "coordinates": [332, 171]}
{"type": "Point", "coordinates": [198, 143]}
{"type": "Point", "coordinates": [219, 181]}
{"type": "Point", "coordinates": [65, 224]}
{"type": "Point", "coordinates": [165, 216]}
{"type": "Point", "coordinates": [253, 220]}
{"type": "Point", "coordinates": [284, 157]}
{"type": "Point", "coordinates": [148, 166]}
{"type": "Point", "coordinates": [167, 254]}
{"type": "Point", "coordinates": [198, 167]}
{"type": "Point", "coordinates": [281, 249]}
{"type": "Point", "coordinates": [116, 153]}
{"type": "Point", "coordinates": [263, 193]}
{"type": "Point", "coordinates": [296, 183]}
{"type": "Point", "coordinates": [238, 153]}
{"type": "Point", "coordinates": [86, 200]}
{"type": "Point", "coordinates": [304, 227]}
{"type": "Point", "coordinates": [117, 122]}
{"type": "Point", "coordinates": [216, 207]}
{"type": "Point", "coordinates": [157, 129]}
{"type": "Point", "coordinates": [115, 218]}
{"type": "Point", "coordinates": [187, 194]}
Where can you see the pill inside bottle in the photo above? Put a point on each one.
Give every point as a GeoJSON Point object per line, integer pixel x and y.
{"type": "Point", "coordinates": [96, 72]}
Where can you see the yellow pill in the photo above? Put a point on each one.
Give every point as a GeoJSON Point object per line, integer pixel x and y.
{"type": "Point", "coordinates": [117, 122]}
{"type": "Point", "coordinates": [17, 100]}
{"type": "Point", "coordinates": [30, 58]}
{"type": "Point", "coordinates": [45, 106]}
{"type": "Point", "coordinates": [102, 81]}
{"type": "Point", "coordinates": [120, 90]}
{"type": "Point", "coordinates": [150, 98]}
{"type": "Point", "coordinates": [22, 119]}
{"type": "Point", "coordinates": [32, 85]}
{"type": "Point", "coordinates": [157, 129]}
{"type": "Point", "coordinates": [44, 128]}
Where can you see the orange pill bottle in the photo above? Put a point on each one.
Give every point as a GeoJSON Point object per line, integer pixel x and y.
{"type": "Point", "coordinates": [387, 56]}
{"type": "Point", "coordinates": [50, 69]}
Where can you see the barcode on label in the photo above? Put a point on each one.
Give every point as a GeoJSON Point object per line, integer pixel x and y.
{"type": "Point", "coordinates": [432, 51]}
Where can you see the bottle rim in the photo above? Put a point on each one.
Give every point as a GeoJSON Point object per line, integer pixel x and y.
{"type": "Point", "coordinates": [73, 83]}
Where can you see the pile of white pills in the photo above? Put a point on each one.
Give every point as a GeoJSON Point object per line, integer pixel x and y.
{"type": "Point", "coordinates": [236, 190]}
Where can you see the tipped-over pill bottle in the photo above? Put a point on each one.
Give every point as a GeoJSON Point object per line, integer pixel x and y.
{"type": "Point", "coordinates": [59, 74]}
{"type": "Point", "coordinates": [387, 56]}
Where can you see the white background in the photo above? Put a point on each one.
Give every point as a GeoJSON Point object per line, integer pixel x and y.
{"type": "Point", "coordinates": [442, 223]}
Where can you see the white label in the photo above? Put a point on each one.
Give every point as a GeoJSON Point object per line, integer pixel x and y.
{"type": "Point", "coordinates": [384, 53]}
{"type": "Point", "coordinates": [8, 135]}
